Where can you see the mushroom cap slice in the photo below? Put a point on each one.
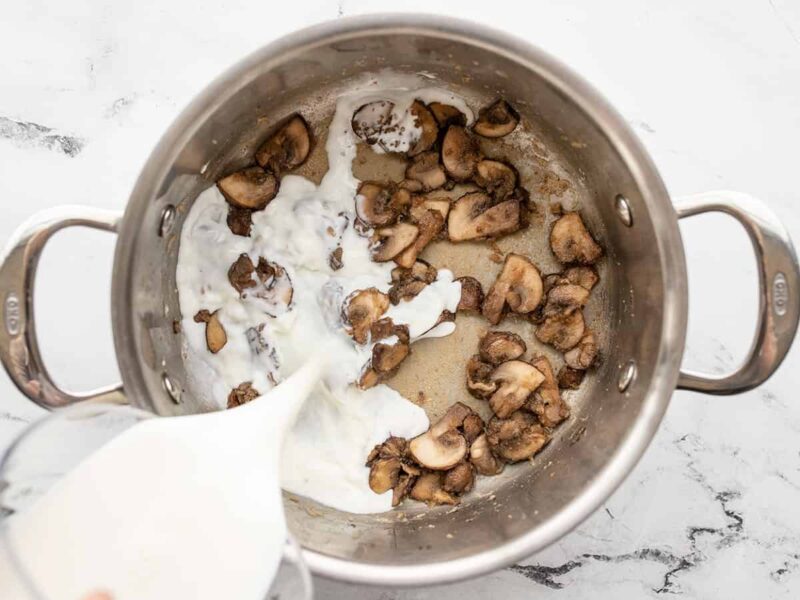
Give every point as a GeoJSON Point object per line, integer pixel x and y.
{"type": "Point", "coordinates": [480, 455]}
{"type": "Point", "coordinates": [406, 290]}
{"type": "Point", "coordinates": [452, 418]}
{"type": "Point", "coordinates": [547, 403]}
{"type": "Point", "coordinates": [239, 220]}
{"type": "Point", "coordinates": [459, 479]}
{"type": "Point", "coordinates": [497, 347]}
{"type": "Point", "coordinates": [460, 153]}
{"type": "Point", "coordinates": [427, 171]}
{"type": "Point", "coordinates": [518, 380]}
{"type": "Point", "coordinates": [584, 354]}
{"type": "Point", "coordinates": [426, 123]}
{"type": "Point", "coordinates": [370, 120]}
{"type": "Point", "coordinates": [472, 427]}
{"type": "Point", "coordinates": [428, 488]}
{"type": "Point", "coordinates": [387, 357]}
{"type": "Point", "coordinates": [519, 285]}
{"type": "Point", "coordinates": [471, 295]}
{"type": "Point", "coordinates": [383, 474]}
{"type": "Point", "coordinates": [438, 453]}
{"type": "Point", "coordinates": [361, 309]}
{"type": "Point", "coordinates": [562, 331]}
{"type": "Point", "coordinates": [571, 242]}
{"type": "Point", "coordinates": [374, 204]}
{"type": "Point", "coordinates": [516, 438]}
{"type": "Point", "coordinates": [251, 188]}
{"type": "Point", "coordinates": [569, 378]}
{"type": "Point", "coordinates": [475, 216]}
{"type": "Point", "coordinates": [565, 297]}
{"type": "Point", "coordinates": [242, 394]}
{"type": "Point", "coordinates": [584, 276]}
{"type": "Point", "coordinates": [391, 241]}
{"type": "Point", "coordinates": [216, 338]}
{"type": "Point", "coordinates": [430, 224]}
{"type": "Point", "coordinates": [287, 148]}
{"type": "Point", "coordinates": [435, 201]}
{"type": "Point", "coordinates": [404, 484]}
{"type": "Point", "coordinates": [496, 177]}
{"type": "Point", "coordinates": [447, 115]}
{"type": "Point", "coordinates": [496, 120]}
{"type": "Point", "coordinates": [479, 381]}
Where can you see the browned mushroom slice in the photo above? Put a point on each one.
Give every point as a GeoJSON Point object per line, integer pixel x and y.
{"type": "Point", "coordinates": [584, 354]}
{"type": "Point", "coordinates": [471, 295]}
{"type": "Point", "coordinates": [426, 123]}
{"type": "Point", "coordinates": [242, 394]}
{"type": "Point", "coordinates": [386, 358]}
{"type": "Point", "coordinates": [472, 427]}
{"type": "Point", "coordinates": [518, 380]}
{"type": "Point", "coordinates": [374, 204]}
{"type": "Point", "coordinates": [547, 403]}
{"type": "Point", "coordinates": [239, 220]}
{"type": "Point", "coordinates": [569, 378]}
{"type": "Point", "coordinates": [400, 200]}
{"type": "Point", "coordinates": [427, 171]}
{"type": "Point", "coordinates": [406, 290]}
{"type": "Point", "coordinates": [384, 474]}
{"type": "Point", "coordinates": [420, 270]}
{"type": "Point", "coordinates": [571, 242]}
{"type": "Point", "coordinates": [393, 446]}
{"type": "Point", "coordinates": [475, 216]}
{"type": "Point", "coordinates": [370, 121]}
{"type": "Point", "coordinates": [428, 489]}
{"type": "Point", "coordinates": [275, 291]}
{"type": "Point", "coordinates": [216, 338]}
{"type": "Point", "coordinates": [460, 153]}
{"type": "Point", "coordinates": [496, 120]}
{"type": "Point", "coordinates": [251, 188]}
{"type": "Point", "coordinates": [459, 479]}
{"type": "Point", "coordinates": [586, 277]}
{"type": "Point", "coordinates": [497, 178]}
{"type": "Point", "coordinates": [241, 273]}
{"type": "Point", "coordinates": [434, 201]}
{"type": "Point", "coordinates": [361, 309]}
{"type": "Point", "coordinates": [391, 241]}
{"type": "Point", "coordinates": [500, 346]}
{"type": "Point", "coordinates": [480, 455]}
{"type": "Point", "coordinates": [519, 285]}
{"type": "Point", "coordinates": [403, 487]}
{"type": "Point", "coordinates": [287, 148]}
{"type": "Point", "coordinates": [442, 446]}
{"type": "Point", "coordinates": [565, 297]}
{"type": "Point", "coordinates": [335, 259]}
{"type": "Point", "coordinates": [447, 115]}
{"type": "Point", "coordinates": [562, 331]}
{"type": "Point", "coordinates": [516, 438]}
{"type": "Point", "coordinates": [430, 224]}
{"type": "Point", "coordinates": [385, 327]}
{"type": "Point", "coordinates": [411, 185]}
{"type": "Point", "coordinates": [479, 377]}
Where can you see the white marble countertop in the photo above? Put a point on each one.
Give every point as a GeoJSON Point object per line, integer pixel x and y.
{"type": "Point", "coordinates": [713, 89]}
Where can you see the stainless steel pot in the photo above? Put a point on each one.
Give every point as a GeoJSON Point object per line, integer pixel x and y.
{"type": "Point", "coordinates": [532, 505]}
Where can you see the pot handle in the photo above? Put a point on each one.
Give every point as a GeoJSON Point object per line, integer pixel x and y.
{"type": "Point", "coordinates": [779, 291]}
{"type": "Point", "coordinates": [19, 349]}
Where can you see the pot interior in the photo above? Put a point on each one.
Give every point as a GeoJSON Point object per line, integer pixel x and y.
{"type": "Point", "coordinates": [562, 156]}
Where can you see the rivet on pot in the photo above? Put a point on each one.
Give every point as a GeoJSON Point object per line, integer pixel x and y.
{"type": "Point", "coordinates": [172, 390]}
{"type": "Point", "coordinates": [627, 375]}
{"type": "Point", "coordinates": [623, 209]}
{"type": "Point", "coordinates": [167, 220]}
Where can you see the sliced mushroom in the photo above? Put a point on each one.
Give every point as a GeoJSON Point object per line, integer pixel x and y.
{"type": "Point", "coordinates": [384, 474]}
{"type": "Point", "coordinates": [241, 273]}
{"type": "Point", "coordinates": [370, 121]}
{"type": "Point", "coordinates": [387, 462]}
{"type": "Point", "coordinates": [562, 331]}
{"type": "Point", "coordinates": [287, 148]}
{"type": "Point", "coordinates": [216, 338]}
{"type": "Point", "coordinates": [251, 188]}
{"type": "Point", "coordinates": [459, 479]}
{"type": "Point", "coordinates": [500, 346]}
{"type": "Point", "coordinates": [476, 216]}
{"type": "Point", "coordinates": [516, 438]}
{"type": "Point", "coordinates": [442, 446]}
{"type": "Point", "coordinates": [471, 295]}
{"type": "Point", "coordinates": [428, 489]}
{"type": "Point", "coordinates": [335, 259]}
{"type": "Point", "coordinates": [447, 115]}
{"type": "Point", "coordinates": [565, 297]}
{"type": "Point", "coordinates": [497, 178]}
{"type": "Point", "coordinates": [481, 456]}
{"type": "Point", "coordinates": [518, 380]}
{"type": "Point", "coordinates": [429, 225]}
{"type": "Point", "coordinates": [426, 123]}
{"type": "Point", "coordinates": [361, 309]}
{"type": "Point", "coordinates": [369, 378]}
{"type": "Point", "coordinates": [547, 403]}
{"type": "Point", "coordinates": [460, 153]}
{"type": "Point", "coordinates": [391, 241]}
{"type": "Point", "coordinates": [385, 327]}
{"type": "Point", "coordinates": [584, 354]}
{"type": "Point", "coordinates": [496, 120]}
{"type": "Point", "coordinates": [479, 377]}
{"type": "Point", "coordinates": [571, 242]}
{"type": "Point", "coordinates": [386, 358]}
{"type": "Point", "coordinates": [403, 487]}
{"type": "Point", "coordinates": [586, 277]}
{"type": "Point", "coordinates": [472, 427]}
{"type": "Point", "coordinates": [406, 290]}
{"type": "Point", "coordinates": [242, 394]}
{"type": "Point", "coordinates": [569, 378]}
{"type": "Point", "coordinates": [239, 220]}
{"type": "Point", "coordinates": [427, 171]}
{"type": "Point", "coordinates": [411, 185]}
{"type": "Point", "coordinates": [519, 285]}
{"type": "Point", "coordinates": [391, 447]}
{"type": "Point", "coordinates": [374, 205]}
{"type": "Point", "coordinates": [274, 289]}
{"type": "Point", "coordinates": [420, 270]}
{"type": "Point", "coordinates": [431, 201]}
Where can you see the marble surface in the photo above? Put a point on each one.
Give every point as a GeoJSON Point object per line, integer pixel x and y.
{"type": "Point", "coordinates": [712, 88]}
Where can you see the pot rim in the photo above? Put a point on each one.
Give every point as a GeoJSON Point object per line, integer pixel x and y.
{"type": "Point", "coordinates": [619, 134]}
